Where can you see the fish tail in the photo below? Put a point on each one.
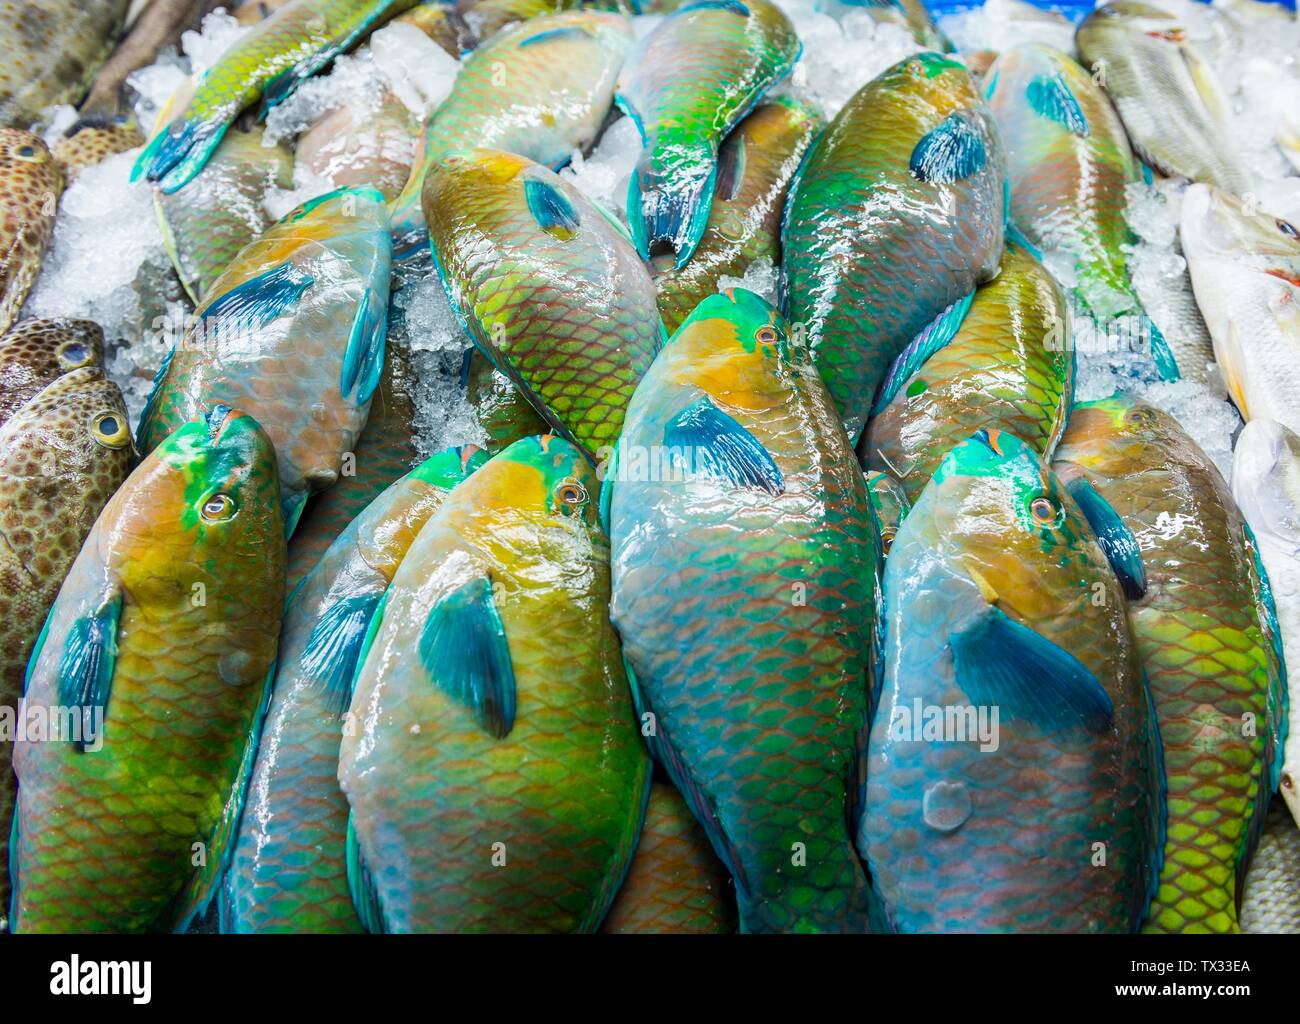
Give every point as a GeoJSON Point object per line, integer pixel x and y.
{"type": "Point", "coordinates": [178, 152]}
{"type": "Point", "coordinates": [668, 207]}
{"type": "Point", "coordinates": [842, 907]}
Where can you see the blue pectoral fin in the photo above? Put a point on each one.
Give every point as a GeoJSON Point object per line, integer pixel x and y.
{"type": "Point", "coordinates": [260, 299]}
{"type": "Point", "coordinates": [949, 152]}
{"type": "Point", "coordinates": [1017, 237]}
{"type": "Point", "coordinates": [1001, 663]}
{"type": "Point", "coordinates": [932, 338]}
{"type": "Point", "coordinates": [291, 509]}
{"type": "Point", "coordinates": [551, 209]}
{"type": "Point", "coordinates": [1050, 97]}
{"type": "Point", "coordinates": [361, 884]}
{"type": "Point", "coordinates": [333, 649]}
{"type": "Point", "coordinates": [363, 361]}
{"type": "Point", "coordinates": [1161, 354]}
{"type": "Point", "coordinates": [89, 655]}
{"type": "Point", "coordinates": [1116, 539]}
{"type": "Point", "coordinates": [716, 445]}
{"type": "Point", "coordinates": [464, 650]}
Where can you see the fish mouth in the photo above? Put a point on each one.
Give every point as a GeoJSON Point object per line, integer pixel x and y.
{"type": "Point", "coordinates": [219, 417]}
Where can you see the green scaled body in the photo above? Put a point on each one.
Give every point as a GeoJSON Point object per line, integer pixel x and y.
{"type": "Point", "coordinates": [1207, 633]}
{"type": "Point", "coordinates": [686, 85]}
{"type": "Point", "coordinates": [540, 89]}
{"type": "Point", "coordinates": [268, 62]}
{"type": "Point", "coordinates": [990, 364]}
{"type": "Point", "coordinates": [167, 627]}
{"type": "Point", "coordinates": [744, 562]}
{"type": "Point", "coordinates": [896, 214]}
{"type": "Point", "coordinates": [495, 772]}
{"type": "Point", "coordinates": [289, 869]}
{"type": "Point", "coordinates": [547, 285]}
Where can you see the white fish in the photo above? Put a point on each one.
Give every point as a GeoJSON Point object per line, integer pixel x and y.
{"type": "Point", "coordinates": [1271, 901]}
{"type": "Point", "coordinates": [1245, 268]}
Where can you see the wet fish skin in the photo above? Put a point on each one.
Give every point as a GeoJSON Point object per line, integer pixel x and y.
{"type": "Point", "coordinates": [62, 456]}
{"type": "Point", "coordinates": [1167, 94]}
{"type": "Point", "coordinates": [747, 640]}
{"type": "Point", "coordinates": [1266, 487]}
{"type": "Point", "coordinates": [30, 186]}
{"type": "Point", "coordinates": [92, 141]}
{"type": "Point", "coordinates": [294, 331]}
{"type": "Point", "coordinates": [549, 287]}
{"type": "Point", "coordinates": [108, 835]}
{"type": "Point", "coordinates": [1245, 270]}
{"type": "Point", "coordinates": [999, 371]}
{"type": "Point", "coordinates": [540, 89]}
{"type": "Point", "coordinates": [34, 352]}
{"type": "Point", "coordinates": [871, 252]}
{"type": "Point", "coordinates": [755, 167]}
{"type": "Point", "coordinates": [444, 24]}
{"type": "Point", "coordinates": [686, 84]}
{"type": "Point", "coordinates": [517, 546]}
{"type": "Point", "coordinates": [364, 142]}
{"type": "Point", "coordinates": [1270, 904]}
{"type": "Point", "coordinates": [996, 567]}
{"type": "Point", "coordinates": [889, 506]}
{"type": "Point", "coordinates": [500, 408]}
{"type": "Point", "coordinates": [288, 873]}
{"type": "Point", "coordinates": [1208, 641]}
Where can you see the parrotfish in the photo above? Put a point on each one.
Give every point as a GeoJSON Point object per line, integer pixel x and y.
{"type": "Point", "coordinates": [61, 458]}
{"type": "Point", "coordinates": [1206, 631]}
{"type": "Point", "coordinates": [268, 62]}
{"type": "Point", "coordinates": [755, 166]}
{"type": "Point", "coordinates": [1001, 360]}
{"type": "Point", "coordinates": [158, 652]}
{"type": "Point", "coordinates": [686, 84]}
{"type": "Point", "coordinates": [289, 868]}
{"type": "Point", "coordinates": [889, 507]}
{"type": "Point", "coordinates": [491, 696]}
{"type": "Point", "coordinates": [1245, 268]}
{"type": "Point", "coordinates": [548, 286]}
{"type": "Point", "coordinates": [1266, 487]}
{"type": "Point", "coordinates": [744, 557]}
{"type": "Point", "coordinates": [34, 352]}
{"type": "Point", "coordinates": [500, 408]}
{"type": "Point", "coordinates": [294, 332]}
{"type": "Point", "coordinates": [1173, 105]}
{"type": "Point", "coordinates": [676, 884]}
{"type": "Point", "coordinates": [30, 185]}
{"type": "Point", "coordinates": [364, 141]}
{"type": "Point", "coordinates": [1013, 783]}
{"type": "Point", "coordinates": [540, 89]}
{"type": "Point", "coordinates": [487, 17]}
{"type": "Point", "coordinates": [443, 23]}
{"type": "Point", "coordinates": [896, 214]}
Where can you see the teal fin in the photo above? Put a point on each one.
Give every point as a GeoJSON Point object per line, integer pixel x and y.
{"type": "Point", "coordinates": [1161, 354]}
{"type": "Point", "coordinates": [1000, 662]}
{"type": "Point", "coordinates": [576, 31]}
{"type": "Point", "coordinates": [363, 361]}
{"type": "Point", "coordinates": [949, 152]}
{"type": "Point", "coordinates": [331, 655]}
{"type": "Point", "coordinates": [1017, 237]}
{"type": "Point", "coordinates": [291, 508]}
{"type": "Point", "coordinates": [1051, 98]}
{"type": "Point", "coordinates": [463, 647]}
{"type": "Point", "coordinates": [607, 488]}
{"type": "Point", "coordinates": [365, 897]}
{"type": "Point", "coordinates": [146, 416]}
{"type": "Point", "coordinates": [734, 6]}
{"type": "Point", "coordinates": [660, 210]}
{"type": "Point", "coordinates": [1157, 822]}
{"type": "Point", "coordinates": [260, 299]}
{"type": "Point", "coordinates": [716, 445]}
{"type": "Point", "coordinates": [932, 338]}
{"type": "Point", "coordinates": [178, 152]}
{"type": "Point", "coordinates": [551, 209]}
{"type": "Point", "coordinates": [89, 655]}
{"type": "Point", "coordinates": [1116, 539]}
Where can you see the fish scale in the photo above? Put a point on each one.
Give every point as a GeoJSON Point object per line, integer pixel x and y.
{"type": "Point", "coordinates": [746, 616]}
{"type": "Point", "coordinates": [871, 254]}
{"type": "Point", "coordinates": [34, 352]}
{"type": "Point", "coordinates": [30, 185]}
{"type": "Point", "coordinates": [571, 320]}
{"type": "Point", "coordinates": [1205, 644]}
{"type": "Point", "coordinates": [995, 372]}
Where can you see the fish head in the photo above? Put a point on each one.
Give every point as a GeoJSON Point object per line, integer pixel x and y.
{"type": "Point", "coordinates": [1218, 226]}
{"type": "Point", "coordinates": [931, 74]}
{"type": "Point", "coordinates": [1005, 521]}
{"type": "Point", "coordinates": [1111, 437]}
{"type": "Point", "coordinates": [1131, 17]}
{"type": "Point", "coordinates": [1266, 481]}
{"type": "Point", "coordinates": [736, 347]}
{"type": "Point", "coordinates": [47, 348]}
{"type": "Point", "coordinates": [205, 501]}
{"type": "Point", "coordinates": [31, 174]}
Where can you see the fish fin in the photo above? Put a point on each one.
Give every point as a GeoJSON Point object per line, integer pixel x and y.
{"type": "Point", "coordinates": [1000, 662]}
{"type": "Point", "coordinates": [732, 161]}
{"type": "Point", "coordinates": [361, 884]}
{"type": "Point", "coordinates": [173, 250]}
{"type": "Point", "coordinates": [551, 209]}
{"type": "Point", "coordinates": [1015, 236]}
{"type": "Point", "coordinates": [89, 655]}
{"type": "Point", "coordinates": [607, 488]}
{"type": "Point", "coordinates": [627, 843]}
{"type": "Point", "coordinates": [934, 336]}
{"type": "Point", "coordinates": [1050, 97]}
{"type": "Point", "coordinates": [197, 895]}
{"type": "Point", "coordinates": [1208, 86]}
{"type": "Point", "coordinates": [718, 446]}
{"type": "Point", "coordinates": [363, 360]}
{"type": "Point", "coordinates": [291, 509]}
{"type": "Point", "coordinates": [949, 152]}
{"type": "Point", "coordinates": [260, 299]}
{"type": "Point", "coordinates": [464, 650]}
{"type": "Point", "coordinates": [144, 429]}
{"type": "Point", "coordinates": [282, 86]}
{"type": "Point", "coordinates": [1157, 820]}
{"type": "Point", "coordinates": [1161, 354]}
{"type": "Point", "coordinates": [1116, 539]}
{"type": "Point", "coordinates": [572, 31]}
{"type": "Point", "coordinates": [660, 209]}
{"type": "Point", "coordinates": [734, 6]}
{"type": "Point", "coordinates": [177, 152]}
{"type": "Point", "coordinates": [614, 222]}
{"type": "Point", "coordinates": [332, 652]}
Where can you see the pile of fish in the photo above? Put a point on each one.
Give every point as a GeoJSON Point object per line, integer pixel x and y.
{"type": "Point", "coordinates": [834, 609]}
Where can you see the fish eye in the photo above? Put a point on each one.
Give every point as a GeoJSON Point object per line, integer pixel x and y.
{"type": "Point", "coordinates": [572, 496]}
{"type": "Point", "coordinates": [110, 430]}
{"type": "Point", "coordinates": [1288, 229]}
{"type": "Point", "coordinates": [219, 508]}
{"type": "Point", "coordinates": [887, 540]}
{"type": "Point", "coordinates": [28, 152]}
{"type": "Point", "coordinates": [74, 355]}
{"type": "Point", "coordinates": [1046, 512]}
{"type": "Point", "coordinates": [1141, 417]}
{"type": "Point", "coordinates": [766, 335]}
